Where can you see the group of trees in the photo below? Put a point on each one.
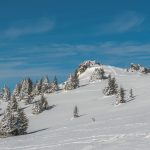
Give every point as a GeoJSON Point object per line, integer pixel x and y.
{"type": "Point", "coordinates": [98, 74]}
{"type": "Point", "coordinates": [27, 90]}
{"type": "Point", "coordinates": [112, 89]}
{"type": "Point", "coordinates": [112, 86]}
{"type": "Point", "coordinates": [40, 105]}
{"type": "Point", "coordinates": [14, 121]}
{"type": "Point", "coordinates": [72, 82]}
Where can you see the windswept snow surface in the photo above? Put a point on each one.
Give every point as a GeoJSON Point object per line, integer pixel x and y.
{"type": "Point", "coordinates": [122, 127]}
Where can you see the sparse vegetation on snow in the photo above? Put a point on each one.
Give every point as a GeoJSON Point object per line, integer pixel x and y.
{"type": "Point", "coordinates": [102, 124]}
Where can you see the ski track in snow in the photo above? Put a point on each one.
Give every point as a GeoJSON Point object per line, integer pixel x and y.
{"type": "Point", "coordinates": [103, 139]}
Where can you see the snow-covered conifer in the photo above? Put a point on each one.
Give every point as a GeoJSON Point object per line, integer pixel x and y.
{"type": "Point", "coordinates": [22, 122]}
{"type": "Point", "coordinates": [120, 97]}
{"type": "Point", "coordinates": [43, 103]}
{"type": "Point", "coordinates": [30, 85]}
{"type": "Point", "coordinates": [40, 105]}
{"type": "Point", "coordinates": [98, 74]}
{"type": "Point", "coordinates": [14, 103]}
{"type": "Point", "coordinates": [76, 112]}
{"type": "Point", "coordinates": [45, 85]}
{"type": "Point", "coordinates": [25, 93]}
{"type": "Point", "coordinates": [16, 91]}
{"type": "Point", "coordinates": [131, 96]}
{"type": "Point", "coordinates": [6, 93]}
{"type": "Point", "coordinates": [36, 108]}
{"type": "Point", "coordinates": [14, 121]}
{"type": "Point", "coordinates": [112, 87]}
{"type": "Point", "coordinates": [54, 85]}
{"type": "Point", "coordinates": [37, 88]}
{"type": "Point", "coordinates": [72, 82]}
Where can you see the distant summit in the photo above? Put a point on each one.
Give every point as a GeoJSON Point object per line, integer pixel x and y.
{"type": "Point", "coordinates": [138, 68]}
{"type": "Point", "coordinates": [86, 64]}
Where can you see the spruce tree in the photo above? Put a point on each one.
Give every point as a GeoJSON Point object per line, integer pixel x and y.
{"type": "Point", "coordinates": [23, 122]}
{"type": "Point", "coordinates": [25, 93]}
{"type": "Point", "coordinates": [112, 87]}
{"type": "Point", "coordinates": [40, 105]}
{"type": "Point", "coordinates": [30, 83]}
{"type": "Point", "coordinates": [36, 108]}
{"type": "Point", "coordinates": [6, 94]}
{"type": "Point", "coordinates": [98, 74]}
{"type": "Point", "coordinates": [72, 82]}
{"type": "Point", "coordinates": [14, 103]}
{"type": "Point", "coordinates": [120, 98]}
{"type": "Point", "coordinates": [54, 85]}
{"type": "Point", "coordinates": [45, 85]}
{"type": "Point", "coordinates": [131, 94]}
{"type": "Point", "coordinates": [14, 121]}
{"type": "Point", "coordinates": [37, 88]}
{"type": "Point", "coordinates": [16, 91]}
{"type": "Point", "coordinates": [76, 112]}
{"type": "Point", "coordinates": [6, 122]}
{"type": "Point", "coordinates": [43, 103]}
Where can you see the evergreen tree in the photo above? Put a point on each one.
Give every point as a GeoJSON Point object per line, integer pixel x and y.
{"type": "Point", "coordinates": [45, 85]}
{"type": "Point", "coordinates": [120, 98]}
{"type": "Point", "coordinates": [112, 87]}
{"type": "Point", "coordinates": [40, 105]}
{"type": "Point", "coordinates": [14, 104]}
{"type": "Point", "coordinates": [76, 112]}
{"type": "Point", "coordinates": [30, 83]}
{"type": "Point", "coordinates": [36, 108]}
{"type": "Point", "coordinates": [72, 82]}
{"type": "Point", "coordinates": [16, 91]}
{"type": "Point", "coordinates": [6, 93]}
{"type": "Point", "coordinates": [98, 74]}
{"type": "Point", "coordinates": [7, 123]}
{"type": "Point", "coordinates": [25, 93]}
{"type": "Point", "coordinates": [55, 81]}
{"type": "Point", "coordinates": [54, 85]}
{"type": "Point", "coordinates": [43, 103]}
{"type": "Point", "coordinates": [37, 88]}
{"type": "Point", "coordinates": [14, 121]}
{"type": "Point", "coordinates": [131, 94]}
{"type": "Point", "coordinates": [23, 122]}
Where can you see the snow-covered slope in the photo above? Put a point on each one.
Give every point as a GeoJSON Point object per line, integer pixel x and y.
{"type": "Point", "coordinates": [122, 127]}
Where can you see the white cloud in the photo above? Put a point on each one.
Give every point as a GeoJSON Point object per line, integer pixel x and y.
{"type": "Point", "coordinates": [40, 26]}
{"type": "Point", "coordinates": [9, 71]}
{"type": "Point", "coordinates": [21, 66]}
{"type": "Point", "coordinates": [71, 50]}
{"type": "Point", "coordinates": [126, 48]}
{"type": "Point", "coordinates": [122, 23]}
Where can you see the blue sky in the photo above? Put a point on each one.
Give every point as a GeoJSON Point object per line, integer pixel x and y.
{"type": "Point", "coordinates": [51, 37]}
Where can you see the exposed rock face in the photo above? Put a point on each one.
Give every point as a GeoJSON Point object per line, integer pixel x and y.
{"type": "Point", "coordinates": [138, 68]}
{"type": "Point", "coordinates": [86, 64]}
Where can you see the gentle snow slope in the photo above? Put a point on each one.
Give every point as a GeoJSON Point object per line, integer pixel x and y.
{"type": "Point", "coordinates": [123, 127]}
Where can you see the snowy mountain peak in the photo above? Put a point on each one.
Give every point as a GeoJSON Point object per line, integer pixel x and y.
{"type": "Point", "coordinates": [85, 65]}
{"type": "Point", "coordinates": [138, 68]}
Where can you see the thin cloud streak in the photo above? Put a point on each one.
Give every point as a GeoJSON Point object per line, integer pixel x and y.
{"type": "Point", "coordinates": [50, 53]}
{"type": "Point", "coordinates": [58, 51]}
{"type": "Point", "coordinates": [40, 26]}
{"type": "Point", "coordinates": [122, 23]}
